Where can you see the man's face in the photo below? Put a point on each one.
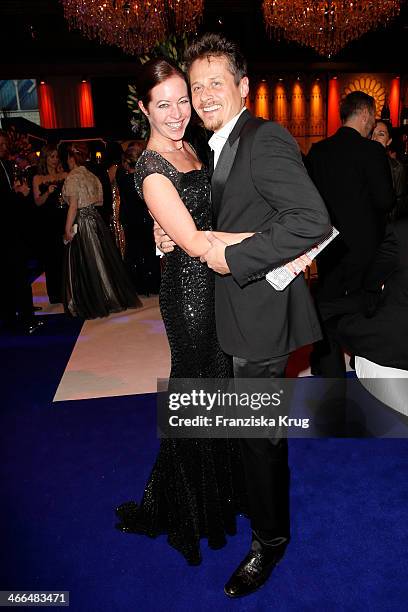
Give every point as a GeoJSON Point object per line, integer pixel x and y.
{"type": "Point", "coordinates": [216, 97]}
{"type": "Point", "coordinates": [3, 147]}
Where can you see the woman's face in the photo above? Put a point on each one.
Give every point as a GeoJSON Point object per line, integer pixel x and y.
{"type": "Point", "coordinates": [71, 162]}
{"type": "Point", "coordinates": [169, 109]}
{"type": "Point", "coordinates": [381, 134]}
{"type": "Point", "coordinates": [52, 160]}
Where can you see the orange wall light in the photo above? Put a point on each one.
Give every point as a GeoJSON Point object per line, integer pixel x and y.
{"type": "Point", "coordinates": [262, 101]}
{"type": "Point", "coordinates": [394, 101]}
{"type": "Point", "coordinates": [333, 107]}
{"type": "Point", "coordinates": [46, 106]}
{"type": "Point", "coordinates": [86, 111]}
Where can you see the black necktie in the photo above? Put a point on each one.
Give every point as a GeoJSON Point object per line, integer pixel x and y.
{"type": "Point", "coordinates": [211, 162]}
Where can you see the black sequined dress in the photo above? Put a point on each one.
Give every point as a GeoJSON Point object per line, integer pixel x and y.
{"type": "Point", "coordinates": [195, 488]}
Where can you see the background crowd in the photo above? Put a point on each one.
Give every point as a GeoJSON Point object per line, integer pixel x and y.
{"type": "Point", "coordinates": [35, 213]}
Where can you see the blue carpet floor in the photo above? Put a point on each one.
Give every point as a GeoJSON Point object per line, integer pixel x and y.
{"type": "Point", "coordinates": [65, 466]}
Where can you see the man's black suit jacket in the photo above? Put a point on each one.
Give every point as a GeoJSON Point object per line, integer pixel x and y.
{"type": "Point", "coordinates": [15, 211]}
{"type": "Point", "coordinates": [353, 176]}
{"type": "Point", "coordinates": [260, 185]}
{"type": "Point", "coordinates": [6, 178]}
{"type": "Point", "coordinates": [382, 338]}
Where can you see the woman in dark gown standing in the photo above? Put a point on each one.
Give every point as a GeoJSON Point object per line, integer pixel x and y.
{"type": "Point", "coordinates": [52, 212]}
{"type": "Point", "coordinates": [194, 489]}
{"type": "Point", "coordinates": [140, 250]}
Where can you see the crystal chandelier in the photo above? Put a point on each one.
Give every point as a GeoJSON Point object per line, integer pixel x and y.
{"type": "Point", "coordinates": [326, 25]}
{"type": "Point", "coordinates": [133, 25]}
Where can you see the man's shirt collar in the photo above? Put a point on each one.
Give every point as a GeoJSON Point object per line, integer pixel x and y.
{"type": "Point", "coordinates": [219, 138]}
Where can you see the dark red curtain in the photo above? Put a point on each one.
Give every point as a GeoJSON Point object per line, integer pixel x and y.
{"type": "Point", "coordinates": [86, 111]}
{"type": "Point", "coordinates": [46, 105]}
{"type": "Point", "coordinates": [65, 103]}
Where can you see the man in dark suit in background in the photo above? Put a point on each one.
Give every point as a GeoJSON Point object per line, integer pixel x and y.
{"type": "Point", "coordinates": [16, 308]}
{"type": "Point", "coordinates": [353, 177]}
{"type": "Point", "coordinates": [259, 185]}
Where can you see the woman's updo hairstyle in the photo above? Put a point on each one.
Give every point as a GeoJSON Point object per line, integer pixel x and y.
{"type": "Point", "coordinates": [79, 151]}
{"type": "Point", "coordinates": [152, 73]}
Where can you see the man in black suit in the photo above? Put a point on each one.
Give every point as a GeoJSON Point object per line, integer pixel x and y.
{"type": "Point", "coordinates": [259, 185]}
{"type": "Point", "coordinates": [16, 310]}
{"type": "Point", "coordinates": [380, 333]}
{"type": "Point", "coordinates": [353, 176]}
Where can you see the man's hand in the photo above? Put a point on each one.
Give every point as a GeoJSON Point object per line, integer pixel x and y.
{"type": "Point", "coordinates": [215, 256]}
{"type": "Point", "coordinates": [163, 242]}
{"type": "Point", "coordinates": [21, 187]}
{"type": "Point", "coordinates": [299, 265]}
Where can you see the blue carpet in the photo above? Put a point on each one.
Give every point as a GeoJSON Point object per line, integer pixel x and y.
{"type": "Point", "coordinates": [65, 466]}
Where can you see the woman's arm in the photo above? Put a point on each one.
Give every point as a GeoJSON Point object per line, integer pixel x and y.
{"type": "Point", "coordinates": [72, 211]}
{"type": "Point", "coordinates": [169, 211]}
{"type": "Point", "coordinates": [229, 238]}
{"type": "Point", "coordinates": [38, 198]}
{"type": "Point", "coordinates": [99, 195]}
{"type": "Point", "coordinates": [112, 172]}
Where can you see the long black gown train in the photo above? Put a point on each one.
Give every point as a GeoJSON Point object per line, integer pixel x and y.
{"type": "Point", "coordinates": [195, 487]}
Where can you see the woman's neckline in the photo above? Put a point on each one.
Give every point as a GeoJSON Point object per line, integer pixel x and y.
{"type": "Point", "coordinates": [171, 150]}
{"type": "Point", "coordinates": [172, 165]}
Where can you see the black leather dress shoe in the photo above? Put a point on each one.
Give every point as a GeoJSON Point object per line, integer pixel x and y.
{"type": "Point", "coordinates": [255, 569]}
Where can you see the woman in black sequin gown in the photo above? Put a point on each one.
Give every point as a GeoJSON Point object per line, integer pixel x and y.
{"type": "Point", "coordinates": [195, 486]}
{"type": "Point", "coordinates": [52, 213]}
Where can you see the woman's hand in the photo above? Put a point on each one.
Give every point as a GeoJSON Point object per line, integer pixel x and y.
{"type": "Point", "coordinates": [69, 235]}
{"type": "Point", "coordinates": [163, 242]}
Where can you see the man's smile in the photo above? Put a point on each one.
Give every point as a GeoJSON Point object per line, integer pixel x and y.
{"type": "Point", "coordinates": [211, 109]}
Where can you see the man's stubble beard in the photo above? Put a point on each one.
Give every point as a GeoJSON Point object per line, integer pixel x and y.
{"type": "Point", "coordinates": [213, 125]}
